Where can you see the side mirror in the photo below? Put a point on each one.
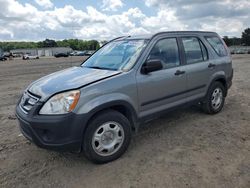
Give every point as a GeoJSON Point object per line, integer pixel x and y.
{"type": "Point", "coordinates": [151, 65]}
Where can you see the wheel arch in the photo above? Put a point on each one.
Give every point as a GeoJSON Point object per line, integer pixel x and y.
{"type": "Point", "coordinates": [221, 79]}
{"type": "Point", "coordinates": [119, 105]}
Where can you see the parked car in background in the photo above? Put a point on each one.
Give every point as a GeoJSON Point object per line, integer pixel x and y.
{"type": "Point", "coordinates": [17, 54]}
{"type": "Point", "coordinates": [28, 56]}
{"type": "Point", "coordinates": [81, 53]}
{"type": "Point", "coordinates": [241, 51]}
{"type": "Point", "coordinates": [90, 52]}
{"type": "Point", "coordinates": [61, 55]}
{"type": "Point", "coordinates": [6, 54]}
{"type": "Point", "coordinates": [244, 51]}
{"type": "Point", "coordinates": [96, 106]}
{"type": "Point", "coordinates": [74, 53]}
{"type": "Point", "coordinates": [85, 53]}
{"type": "Point", "coordinates": [3, 58]}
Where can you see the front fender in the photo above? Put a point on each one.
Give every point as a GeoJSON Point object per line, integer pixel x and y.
{"type": "Point", "coordinates": [89, 109]}
{"type": "Point", "coordinates": [105, 101]}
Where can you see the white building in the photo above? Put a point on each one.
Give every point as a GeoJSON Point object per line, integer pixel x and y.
{"type": "Point", "coordinates": [43, 51]}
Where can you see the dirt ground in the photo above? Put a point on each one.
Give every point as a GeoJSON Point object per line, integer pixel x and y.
{"type": "Point", "coordinates": [185, 148]}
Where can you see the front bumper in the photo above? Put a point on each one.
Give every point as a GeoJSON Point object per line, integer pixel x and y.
{"type": "Point", "coordinates": [56, 132]}
{"type": "Point", "coordinates": [230, 79]}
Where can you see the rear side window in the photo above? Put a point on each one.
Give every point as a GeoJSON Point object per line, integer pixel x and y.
{"type": "Point", "coordinates": [194, 49]}
{"type": "Point", "coordinates": [217, 45]}
{"type": "Point", "coordinates": [166, 50]}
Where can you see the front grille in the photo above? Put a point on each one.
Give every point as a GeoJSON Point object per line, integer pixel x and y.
{"type": "Point", "coordinates": [28, 101]}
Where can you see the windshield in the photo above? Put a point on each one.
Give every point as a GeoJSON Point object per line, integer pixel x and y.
{"type": "Point", "coordinates": [116, 55]}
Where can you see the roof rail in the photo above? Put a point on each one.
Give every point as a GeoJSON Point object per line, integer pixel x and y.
{"type": "Point", "coordinates": [165, 32]}
{"type": "Point", "coordinates": [118, 38]}
{"type": "Point", "coordinates": [115, 39]}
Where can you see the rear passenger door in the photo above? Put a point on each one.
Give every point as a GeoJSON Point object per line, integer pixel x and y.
{"type": "Point", "coordinates": [199, 67]}
{"type": "Point", "coordinates": [164, 88]}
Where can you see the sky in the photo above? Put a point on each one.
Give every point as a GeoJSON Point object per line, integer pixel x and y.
{"type": "Point", "coordinates": [35, 20]}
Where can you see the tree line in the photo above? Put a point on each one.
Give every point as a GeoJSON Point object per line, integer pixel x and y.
{"type": "Point", "coordinates": [244, 40]}
{"type": "Point", "coordinates": [75, 44]}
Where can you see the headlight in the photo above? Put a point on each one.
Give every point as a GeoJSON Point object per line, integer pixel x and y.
{"type": "Point", "coordinates": [61, 103]}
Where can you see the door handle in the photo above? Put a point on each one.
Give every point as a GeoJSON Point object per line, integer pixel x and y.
{"type": "Point", "coordinates": [211, 65]}
{"type": "Point", "coordinates": [178, 72]}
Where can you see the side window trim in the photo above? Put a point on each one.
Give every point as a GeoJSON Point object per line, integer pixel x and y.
{"type": "Point", "coordinates": [181, 51]}
{"type": "Point", "coordinates": [202, 48]}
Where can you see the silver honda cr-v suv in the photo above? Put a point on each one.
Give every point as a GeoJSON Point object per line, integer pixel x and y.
{"type": "Point", "coordinates": [95, 107]}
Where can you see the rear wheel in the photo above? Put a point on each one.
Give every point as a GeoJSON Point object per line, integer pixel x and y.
{"type": "Point", "coordinates": [215, 98]}
{"type": "Point", "coordinates": [107, 137]}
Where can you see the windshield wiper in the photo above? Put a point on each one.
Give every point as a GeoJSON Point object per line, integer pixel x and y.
{"type": "Point", "coordinates": [102, 68]}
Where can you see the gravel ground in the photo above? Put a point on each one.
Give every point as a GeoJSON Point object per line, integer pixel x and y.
{"type": "Point", "coordinates": [185, 148]}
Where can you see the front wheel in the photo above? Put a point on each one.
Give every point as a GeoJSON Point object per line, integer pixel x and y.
{"type": "Point", "coordinates": [215, 98]}
{"type": "Point", "coordinates": [107, 137]}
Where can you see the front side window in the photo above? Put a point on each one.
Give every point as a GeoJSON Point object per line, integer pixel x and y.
{"type": "Point", "coordinates": [195, 51]}
{"type": "Point", "coordinates": [116, 55]}
{"type": "Point", "coordinates": [166, 50]}
{"type": "Point", "coordinates": [217, 45]}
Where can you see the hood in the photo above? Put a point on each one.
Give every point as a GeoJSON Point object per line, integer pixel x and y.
{"type": "Point", "coordinates": [68, 79]}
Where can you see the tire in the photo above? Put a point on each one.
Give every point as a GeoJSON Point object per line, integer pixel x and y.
{"type": "Point", "coordinates": [107, 137]}
{"type": "Point", "coordinates": [215, 98]}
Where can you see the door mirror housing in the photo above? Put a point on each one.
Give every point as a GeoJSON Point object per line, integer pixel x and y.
{"type": "Point", "coordinates": [151, 65]}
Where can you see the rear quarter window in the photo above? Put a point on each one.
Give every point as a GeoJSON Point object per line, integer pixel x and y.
{"type": "Point", "coordinates": [217, 45]}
